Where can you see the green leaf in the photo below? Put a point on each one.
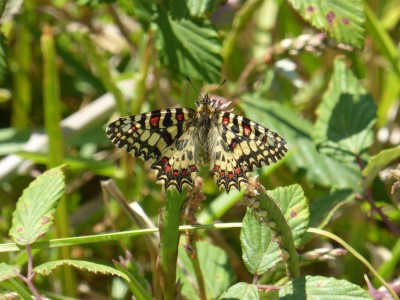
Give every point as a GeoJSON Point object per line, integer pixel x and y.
{"type": "Point", "coordinates": [136, 282]}
{"type": "Point", "coordinates": [241, 290]}
{"type": "Point", "coordinates": [341, 19]}
{"type": "Point", "coordinates": [215, 267]}
{"type": "Point", "coordinates": [260, 252]}
{"type": "Point", "coordinates": [347, 114]}
{"type": "Point", "coordinates": [323, 208]}
{"type": "Point", "coordinates": [377, 162]}
{"type": "Point", "coordinates": [36, 207]}
{"type": "Point", "coordinates": [18, 287]}
{"type": "Point", "coordinates": [47, 268]}
{"type": "Point", "coordinates": [321, 169]}
{"type": "Point", "coordinates": [191, 8]}
{"type": "Point", "coordinates": [318, 287]}
{"type": "Point", "coordinates": [144, 11]}
{"type": "Point", "coordinates": [8, 271]}
{"type": "Point", "coordinates": [293, 204]}
{"type": "Point", "coordinates": [189, 47]}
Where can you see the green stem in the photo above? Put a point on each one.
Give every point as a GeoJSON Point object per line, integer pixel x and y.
{"type": "Point", "coordinates": [198, 272]}
{"type": "Point", "coordinates": [169, 235]}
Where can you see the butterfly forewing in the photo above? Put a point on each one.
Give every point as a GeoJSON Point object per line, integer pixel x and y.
{"type": "Point", "coordinates": [155, 137]}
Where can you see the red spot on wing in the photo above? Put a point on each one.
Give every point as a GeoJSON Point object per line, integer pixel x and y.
{"type": "Point", "coordinates": [246, 129]}
{"type": "Point", "coordinates": [167, 168]}
{"type": "Point", "coordinates": [225, 120]}
{"type": "Point", "coordinates": [164, 159]}
{"type": "Point", "coordinates": [154, 121]}
{"type": "Point", "coordinates": [216, 168]}
{"type": "Point", "coordinates": [233, 144]}
{"type": "Point", "coordinates": [134, 128]}
{"type": "Point", "coordinates": [230, 175]}
{"type": "Point", "coordinates": [193, 168]}
{"type": "Point", "coordinates": [222, 173]}
{"type": "Point", "coordinates": [175, 173]}
{"type": "Point", "coordinates": [184, 172]}
{"type": "Point", "coordinates": [180, 116]}
{"type": "Point", "coordinates": [237, 170]}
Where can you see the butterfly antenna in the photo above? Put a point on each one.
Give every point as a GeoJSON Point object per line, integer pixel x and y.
{"type": "Point", "coordinates": [191, 83]}
{"type": "Point", "coordinates": [222, 83]}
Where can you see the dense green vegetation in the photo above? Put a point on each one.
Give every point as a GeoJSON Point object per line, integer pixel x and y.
{"type": "Point", "coordinates": [83, 219]}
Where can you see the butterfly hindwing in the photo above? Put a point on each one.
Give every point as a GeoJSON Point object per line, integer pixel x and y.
{"type": "Point", "coordinates": [244, 145]}
{"type": "Point", "coordinates": [228, 172]}
{"type": "Point", "coordinates": [177, 165]}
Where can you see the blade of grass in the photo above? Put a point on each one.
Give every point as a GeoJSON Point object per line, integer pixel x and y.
{"type": "Point", "coordinates": [52, 112]}
{"type": "Point", "coordinates": [382, 39]}
{"type": "Point", "coordinates": [22, 100]}
{"type": "Point", "coordinates": [107, 237]}
{"type": "Point", "coordinates": [356, 255]}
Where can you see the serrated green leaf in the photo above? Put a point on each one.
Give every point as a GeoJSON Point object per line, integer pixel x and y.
{"type": "Point", "coordinates": [260, 252]}
{"type": "Point", "coordinates": [189, 47]}
{"type": "Point", "coordinates": [322, 208]}
{"type": "Point", "coordinates": [47, 268]}
{"type": "Point", "coordinates": [293, 204]}
{"type": "Point", "coordinates": [191, 8]}
{"type": "Point", "coordinates": [8, 271]}
{"type": "Point", "coordinates": [318, 287]}
{"type": "Point", "coordinates": [377, 162]}
{"type": "Point", "coordinates": [144, 11]}
{"type": "Point", "coordinates": [343, 20]}
{"type": "Point", "coordinates": [241, 290]}
{"type": "Point", "coordinates": [346, 116]}
{"type": "Point", "coordinates": [215, 266]}
{"type": "Point", "coordinates": [36, 207]}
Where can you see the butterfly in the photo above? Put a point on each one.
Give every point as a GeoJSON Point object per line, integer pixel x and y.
{"type": "Point", "coordinates": [178, 140]}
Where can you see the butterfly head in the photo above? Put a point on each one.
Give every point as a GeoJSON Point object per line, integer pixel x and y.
{"type": "Point", "coordinates": [206, 105]}
{"type": "Point", "coordinates": [209, 105]}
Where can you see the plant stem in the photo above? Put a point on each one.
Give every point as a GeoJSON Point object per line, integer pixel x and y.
{"type": "Point", "coordinates": [169, 235]}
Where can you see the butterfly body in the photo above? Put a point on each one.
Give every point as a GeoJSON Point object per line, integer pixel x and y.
{"type": "Point", "coordinates": [178, 140]}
